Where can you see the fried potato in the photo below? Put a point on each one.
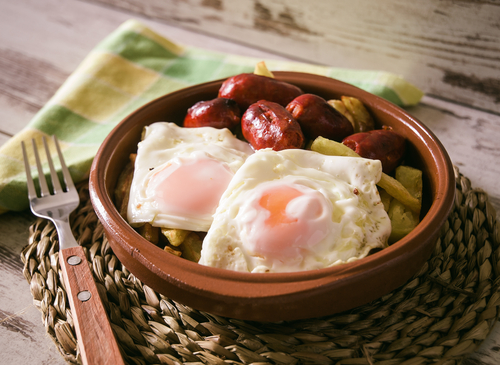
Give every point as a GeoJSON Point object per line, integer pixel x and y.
{"type": "Point", "coordinates": [122, 191]}
{"type": "Point", "coordinates": [362, 118]}
{"type": "Point", "coordinates": [404, 220]}
{"type": "Point", "coordinates": [389, 184]}
{"type": "Point", "coordinates": [385, 198]}
{"type": "Point", "coordinates": [191, 247]}
{"type": "Point", "coordinates": [332, 148]}
{"type": "Point", "coordinates": [411, 178]}
{"type": "Point", "coordinates": [341, 108]}
{"type": "Point", "coordinates": [175, 236]}
{"type": "Point", "coordinates": [172, 251]}
{"type": "Point", "coordinates": [262, 70]}
{"type": "Point", "coordinates": [399, 192]}
{"type": "Point", "coordinates": [354, 110]}
{"type": "Point", "coordinates": [186, 244]}
{"type": "Point", "coordinates": [152, 234]}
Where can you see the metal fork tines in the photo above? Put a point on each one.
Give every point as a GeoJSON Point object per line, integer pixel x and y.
{"type": "Point", "coordinates": [55, 206]}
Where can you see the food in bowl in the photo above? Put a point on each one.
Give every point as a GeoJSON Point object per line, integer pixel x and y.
{"type": "Point", "coordinates": [272, 296]}
{"type": "Point", "coordinates": [283, 208]}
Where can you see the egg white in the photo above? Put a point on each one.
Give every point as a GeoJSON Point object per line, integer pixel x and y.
{"type": "Point", "coordinates": [166, 144]}
{"type": "Point", "coordinates": [356, 219]}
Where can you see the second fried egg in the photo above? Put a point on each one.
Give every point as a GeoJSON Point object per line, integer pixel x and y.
{"type": "Point", "coordinates": [296, 210]}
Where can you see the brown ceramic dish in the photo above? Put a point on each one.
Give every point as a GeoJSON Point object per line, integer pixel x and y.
{"type": "Point", "coordinates": [278, 296]}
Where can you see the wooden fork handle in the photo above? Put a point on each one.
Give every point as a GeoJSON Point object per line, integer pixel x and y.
{"type": "Point", "coordinates": [96, 341]}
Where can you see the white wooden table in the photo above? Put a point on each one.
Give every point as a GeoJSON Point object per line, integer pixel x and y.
{"type": "Point", "coordinates": [42, 42]}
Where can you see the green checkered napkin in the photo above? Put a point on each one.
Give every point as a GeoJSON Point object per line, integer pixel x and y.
{"type": "Point", "coordinates": [130, 67]}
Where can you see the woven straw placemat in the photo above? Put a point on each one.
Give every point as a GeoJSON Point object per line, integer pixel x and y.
{"type": "Point", "coordinates": [439, 316]}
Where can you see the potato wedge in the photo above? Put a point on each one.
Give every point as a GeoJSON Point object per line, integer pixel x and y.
{"type": "Point", "coordinates": [341, 108]}
{"type": "Point", "coordinates": [191, 247]}
{"type": "Point", "coordinates": [262, 70]}
{"type": "Point", "coordinates": [404, 220]}
{"type": "Point", "coordinates": [172, 251]}
{"type": "Point", "coordinates": [152, 234]}
{"type": "Point", "coordinates": [411, 178]}
{"type": "Point", "coordinates": [175, 236]}
{"type": "Point", "coordinates": [399, 192]}
{"type": "Point", "coordinates": [385, 198]}
{"type": "Point", "coordinates": [122, 191]}
{"type": "Point", "coordinates": [354, 110]}
{"type": "Point", "coordinates": [362, 118]}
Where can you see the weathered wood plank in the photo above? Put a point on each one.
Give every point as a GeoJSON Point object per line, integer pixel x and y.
{"type": "Point", "coordinates": [38, 50]}
{"type": "Point", "coordinates": [4, 138]}
{"type": "Point", "coordinates": [53, 43]}
{"type": "Point", "coordinates": [44, 47]}
{"type": "Point", "coordinates": [30, 74]}
{"type": "Point", "coordinates": [23, 338]}
{"type": "Point", "coordinates": [447, 48]}
{"type": "Point", "coordinates": [26, 83]}
{"type": "Point", "coordinates": [488, 352]}
{"type": "Point", "coordinates": [471, 139]}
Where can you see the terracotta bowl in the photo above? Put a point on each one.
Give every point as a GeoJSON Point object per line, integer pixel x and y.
{"type": "Point", "coordinates": [274, 296]}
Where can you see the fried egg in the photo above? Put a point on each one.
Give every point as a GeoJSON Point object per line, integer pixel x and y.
{"type": "Point", "coordinates": [181, 173]}
{"type": "Point", "coordinates": [297, 210]}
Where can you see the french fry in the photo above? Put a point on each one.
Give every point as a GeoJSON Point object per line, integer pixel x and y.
{"type": "Point", "coordinates": [332, 148]}
{"type": "Point", "coordinates": [262, 70]}
{"type": "Point", "coordinates": [191, 247]}
{"type": "Point", "coordinates": [389, 184]}
{"type": "Point", "coordinates": [175, 236]}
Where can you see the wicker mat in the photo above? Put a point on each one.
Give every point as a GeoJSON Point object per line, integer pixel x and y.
{"type": "Point", "coordinates": [439, 316]}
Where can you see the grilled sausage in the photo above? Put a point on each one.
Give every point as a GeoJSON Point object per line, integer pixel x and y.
{"type": "Point", "coordinates": [379, 144]}
{"type": "Point", "coordinates": [218, 113]}
{"type": "Point", "coordinates": [268, 125]}
{"type": "Point", "coordinates": [318, 118]}
{"type": "Point", "coordinates": [247, 89]}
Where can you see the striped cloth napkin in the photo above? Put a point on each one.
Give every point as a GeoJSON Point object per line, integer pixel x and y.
{"type": "Point", "coordinates": [130, 67]}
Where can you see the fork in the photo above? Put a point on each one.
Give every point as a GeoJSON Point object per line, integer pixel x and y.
{"type": "Point", "coordinates": [96, 340]}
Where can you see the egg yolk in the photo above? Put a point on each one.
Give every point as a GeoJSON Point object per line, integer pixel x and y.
{"type": "Point", "coordinates": [275, 201]}
{"type": "Point", "coordinates": [294, 220]}
{"type": "Point", "coordinates": [190, 186]}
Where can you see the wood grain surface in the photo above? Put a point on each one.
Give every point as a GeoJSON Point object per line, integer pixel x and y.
{"type": "Point", "coordinates": [448, 48]}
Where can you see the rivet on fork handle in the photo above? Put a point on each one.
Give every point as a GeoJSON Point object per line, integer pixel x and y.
{"type": "Point", "coordinates": [84, 295]}
{"type": "Point", "coordinates": [74, 260]}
